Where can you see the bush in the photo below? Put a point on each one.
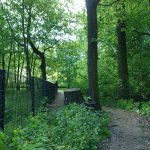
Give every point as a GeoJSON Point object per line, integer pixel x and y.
{"type": "Point", "coordinates": [121, 103]}
{"type": "Point", "coordinates": [2, 141]}
{"type": "Point", "coordinates": [144, 108]}
{"type": "Point", "coordinates": [126, 104]}
{"type": "Point", "coordinates": [72, 128]}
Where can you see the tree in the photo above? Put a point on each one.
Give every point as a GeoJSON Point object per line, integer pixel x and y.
{"type": "Point", "coordinates": [92, 51]}
{"type": "Point", "coordinates": [33, 23]}
{"type": "Point", "coordinates": [122, 55]}
{"type": "Point", "coordinates": [42, 57]}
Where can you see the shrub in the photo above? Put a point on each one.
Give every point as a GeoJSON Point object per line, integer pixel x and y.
{"type": "Point", "coordinates": [74, 127]}
{"type": "Point", "coordinates": [144, 108]}
{"type": "Point", "coordinates": [126, 104]}
{"type": "Point", "coordinates": [2, 141]}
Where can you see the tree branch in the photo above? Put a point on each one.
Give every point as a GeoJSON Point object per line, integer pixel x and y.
{"type": "Point", "coordinates": [35, 50]}
{"type": "Point", "coordinates": [42, 57]}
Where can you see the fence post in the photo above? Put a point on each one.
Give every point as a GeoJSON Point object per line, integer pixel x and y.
{"type": "Point", "coordinates": [33, 96]}
{"type": "Point", "coordinates": [2, 98]}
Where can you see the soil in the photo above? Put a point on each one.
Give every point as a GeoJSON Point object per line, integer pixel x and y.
{"type": "Point", "coordinates": [126, 131]}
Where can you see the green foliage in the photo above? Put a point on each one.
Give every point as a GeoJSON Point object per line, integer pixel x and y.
{"type": "Point", "coordinates": [74, 127]}
{"type": "Point", "coordinates": [78, 128]}
{"type": "Point", "coordinates": [108, 76]}
{"type": "Point", "coordinates": [33, 136]}
{"type": "Point", "coordinates": [121, 103]}
{"type": "Point", "coordinates": [2, 141]}
{"type": "Point", "coordinates": [126, 104]}
{"type": "Point", "coordinates": [142, 108]}
{"type": "Point", "coordinates": [56, 28]}
{"type": "Point", "coordinates": [137, 47]}
{"type": "Point", "coordinates": [2, 138]}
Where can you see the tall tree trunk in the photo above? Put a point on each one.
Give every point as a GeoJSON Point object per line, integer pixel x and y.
{"type": "Point", "coordinates": [42, 57]}
{"type": "Point", "coordinates": [14, 63]}
{"type": "Point", "coordinates": [28, 68]}
{"type": "Point", "coordinates": [42, 66]}
{"type": "Point", "coordinates": [69, 81]}
{"type": "Point", "coordinates": [18, 69]}
{"type": "Point", "coordinates": [9, 61]}
{"type": "Point", "coordinates": [21, 69]}
{"type": "Point", "coordinates": [8, 69]}
{"type": "Point", "coordinates": [33, 64]}
{"type": "Point", "coordinates": [3, 60]}
{"type": "Point", "coordinates": [92, 51]}
{"type": "Point", "coordinates": [122, 59]}
{"type": "Point", "coordinates": [3, 55]}
{"type": "Point", "coordinates": [25, 46]}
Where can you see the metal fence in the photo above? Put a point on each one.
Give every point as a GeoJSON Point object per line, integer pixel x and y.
{"type": "Point", "coordinates": [20, 97]}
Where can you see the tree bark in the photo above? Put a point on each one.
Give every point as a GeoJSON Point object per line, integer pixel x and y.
{"type": "Point", "coordinates": [18, 69]}
{"type": "Point", "coordinates": [21, 69]}
{"type": "Point", "coordinates": [42, 57]}
{"type": "Point", "coordinates": [8, 68]}
{"type": "Point", "coordinates": [25, 45]}
{"type": "Point", "coordinates": [92, 51]}
{"type": "Point", "coordinates": [122, 59]}
{"type": "Point", "coordinates": [3, 60]}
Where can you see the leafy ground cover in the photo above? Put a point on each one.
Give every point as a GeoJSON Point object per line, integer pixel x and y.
{"type": "Point", "coordinates": [73, 127]}
{"type": "Point", "coordinates": [142, 108]}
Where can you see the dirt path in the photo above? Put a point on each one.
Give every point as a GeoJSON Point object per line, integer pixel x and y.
{"type": "Point", "coordinates": [126, 133]}
{"type": "Point", "coordinates": [59, 101]}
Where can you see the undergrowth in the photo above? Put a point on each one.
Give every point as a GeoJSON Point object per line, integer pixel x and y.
{"type": "Point", "coordinates": [142, 108]}
{"type": "Point", "coordinates": [72, 128]}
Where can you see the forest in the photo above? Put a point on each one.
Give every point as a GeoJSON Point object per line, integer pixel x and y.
{"type": "Point", "coordinates": [74, 74]}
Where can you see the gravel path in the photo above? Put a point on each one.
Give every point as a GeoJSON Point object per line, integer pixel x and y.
{"type": "Point", "coordinates": [126, 133]}
{"type": "Point", "coordinates": [59, 101]}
